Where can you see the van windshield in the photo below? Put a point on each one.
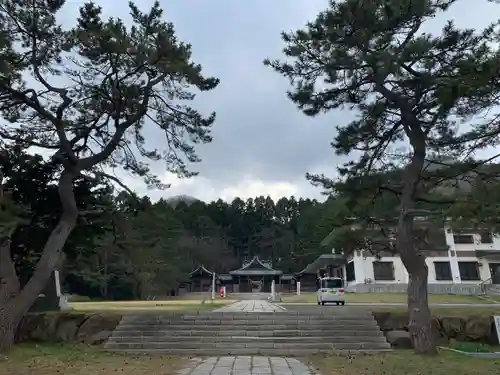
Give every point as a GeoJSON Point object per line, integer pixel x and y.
{"type": "Point", "coordinates": [332, 283]}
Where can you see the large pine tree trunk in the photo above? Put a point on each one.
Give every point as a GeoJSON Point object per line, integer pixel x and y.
{"type": "Point", "coordinates": [420, 323]}
{"type": "Point", "coordinates": [9, 290]}
{"type": "Point", "coordinates": [14, 305]}
{"type": "Point", "coordinates": [9, 321]}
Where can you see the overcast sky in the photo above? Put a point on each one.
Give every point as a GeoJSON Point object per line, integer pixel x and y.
{"type": "Point", "coordinates": [262, 143]}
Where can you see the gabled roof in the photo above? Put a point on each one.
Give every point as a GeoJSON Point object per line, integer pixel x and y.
{"type": "Point", "coordinates": [255, 267]}
{"type": "Point", "coordinates": [224, 277]}
{"type": "Point", "coordinates": [200, 271]}
{"type": "Point", "coordinates": [323, 261]}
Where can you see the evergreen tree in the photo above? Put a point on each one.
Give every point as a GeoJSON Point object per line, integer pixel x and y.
{"type": "Point", "coordinates": [119, 81]}
{"type": "Point", "coordinates": [406, 88]}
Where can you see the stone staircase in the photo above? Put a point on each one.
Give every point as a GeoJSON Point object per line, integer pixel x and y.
{"type": "Point", "coordinates": [340, 331]}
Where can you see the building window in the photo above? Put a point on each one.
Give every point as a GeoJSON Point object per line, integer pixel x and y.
{"type": "Point", "coordinates": [486, 237]}
{"type": "Point", "coordinates": [443, 271]}
{"type": "Point", "coordinates": [463, 238]}
{"type": "Point", "coordinates": [349, 270]}
{"type": "Point", "coordinates": [469, 271]}
{"type": "Point", "coordinates": [383, 271]}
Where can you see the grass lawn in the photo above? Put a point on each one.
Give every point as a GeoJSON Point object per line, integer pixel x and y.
{"type": "Point", "coordinates": [310, 297]}
{"type": "Point", "coordinates": [494, 298]}
{"type": "Point", "coordinates": [81, 360]}
{"type": "Point", "coordinates": [474, 347]}
{"type": "Point", "coordinates": [406, 363]}
{"type": "Point", "coordinates": [449, 311]}
{"type": "Point", "coordinates": [147, 306]}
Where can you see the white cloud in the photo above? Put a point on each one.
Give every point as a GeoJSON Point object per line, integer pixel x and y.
{"type": "Point", "coordinates": [262, 144]}
{"type": "Point", "coordinates": [253, 187]}
{"type": "Point", "coordinates": [207, 189]}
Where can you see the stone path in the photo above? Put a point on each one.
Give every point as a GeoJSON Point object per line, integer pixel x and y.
{"type": "Point", "coordinates": [251, 306]}
{"type": "Point", "coordinates": [247, 366]}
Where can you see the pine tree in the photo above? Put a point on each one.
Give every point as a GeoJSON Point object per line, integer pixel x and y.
{"type": "Point", "coordinates": [88, 95]}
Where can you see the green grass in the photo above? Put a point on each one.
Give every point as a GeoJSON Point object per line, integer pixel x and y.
{"type": "Point", "coordinates": [57, 359]}
{"type": "Point", "coordinates": [148, 306]}
{"type": "Point", "coordinates": [494, 298]}
{"type": "Point", "coordinates": [474, 347]}
{"type": "Point", "coordinates": [403, 362]}
{"type": "Point", "coordinates": [448, 311]}
{"type": "Point", "coordinates": [310, 297]}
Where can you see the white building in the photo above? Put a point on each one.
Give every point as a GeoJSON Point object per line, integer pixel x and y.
{"type": "Point", "coordinates": [471, 262]}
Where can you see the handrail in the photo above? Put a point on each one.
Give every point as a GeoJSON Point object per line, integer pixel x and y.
{"type": "Point", "coordinates": [482, 285]}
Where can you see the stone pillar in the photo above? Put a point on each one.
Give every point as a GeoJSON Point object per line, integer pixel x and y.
{"type": "Point", "coordinates": [344, 274]}
{"type": "Point", "coordinates": [452, 255]}
{"type": "Point", "coordinates": [51, 298]}
{"type": "Point", "coordinates": [359, 270]}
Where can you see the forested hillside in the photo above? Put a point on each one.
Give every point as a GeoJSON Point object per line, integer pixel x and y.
{"type": "Point", "coordinates": [129, 247]}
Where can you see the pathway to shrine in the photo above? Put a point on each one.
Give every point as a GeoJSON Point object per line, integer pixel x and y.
{"type": "Point", "coordinates": [258, 306]}
{"type": "Point", "coordinates": [248, 365]}
{"type": "Point", "coordinates": [250, 337]}
{"type": "Point", "coordinates": [245, 365]}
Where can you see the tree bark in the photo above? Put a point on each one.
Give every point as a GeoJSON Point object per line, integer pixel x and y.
{"type": "Point", "coordinates": [9, 282]}
{"type": "Point", "coordinates": [9, 290]}
{"type": "Point", "coordinates": [13, 309]}
{"type": "Point", "coordinates": [9, 320]}
{"type": "Point", "coordinates": [420, 324]}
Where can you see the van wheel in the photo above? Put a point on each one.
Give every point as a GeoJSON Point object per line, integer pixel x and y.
{"type": "Point", "coordinates": [343, 303]}
{"type": "Point", "coordinates": [322, 303]}
{"type": "Point", "coordinates": [319, 303]}
{"type": "Point", "coordinates": [338, 303]}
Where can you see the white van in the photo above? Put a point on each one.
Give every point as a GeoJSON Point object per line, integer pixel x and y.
{"type": "Point", "coordinates": [331, 290]}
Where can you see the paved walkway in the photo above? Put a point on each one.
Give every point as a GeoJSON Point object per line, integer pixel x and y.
{"type": "Point", "coordinates": [251, 306]}
{"type": "Point", "coordinates": [247, 366]}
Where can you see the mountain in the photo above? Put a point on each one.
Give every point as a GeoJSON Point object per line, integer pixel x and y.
{"type": "Point", "coordinates": [173, 201]}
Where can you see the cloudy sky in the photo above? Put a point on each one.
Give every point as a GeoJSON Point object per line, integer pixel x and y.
{"type": "Point", "coordinates": [262, 143]}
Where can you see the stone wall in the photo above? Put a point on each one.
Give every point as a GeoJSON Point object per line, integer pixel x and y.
{"type": "Point", "coordinates": [88, 328]}
{"type": "Point", "coordinates": [445, 328]}
{"type": "Point", "coordinates": [401, 288]}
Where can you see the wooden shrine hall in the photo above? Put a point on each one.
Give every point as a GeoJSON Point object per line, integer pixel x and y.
{"type": "Point", "coordinates": [254, 276]}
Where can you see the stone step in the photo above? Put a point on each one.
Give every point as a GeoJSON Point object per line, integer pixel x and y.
{"type": "Point", "coordinates": [248, 327]}
{"type": "Point", "coordinates": [250, 318]}
{"type": "Point", "coordinates": [240, 323]}
{"type": "Point", "coordinates": [254, 317]}
{"type": "Point", "coordinates": [242, 332]}
{"type": "Point", "coordinates": [247, 339]}
{"type": "Point", "coordinates": [313, 311]}
{"type": "Point", "coordinates": [250, 321]}
{"type": "Point", "coordinates": [297, 352]}
{"type": "Point", "coordinates": [242, 345]}
{"type": "Point", "coordinates": [269, 315]}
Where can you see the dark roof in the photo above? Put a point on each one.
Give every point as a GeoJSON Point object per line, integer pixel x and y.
{"type": "Point", "coordinates": [255, 267]}
{"type": "Point", "coordinates": [200, 271]}
{"type": "Point", "coordinates": [322, 261]}
{"type": "Point", "coordinates": [431, 235]}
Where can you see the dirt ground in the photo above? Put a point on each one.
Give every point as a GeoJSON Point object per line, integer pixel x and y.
{"type": "Point", "coordinates": [46, 359]}
{"type": "Point", "coordinates": [406, 363]}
